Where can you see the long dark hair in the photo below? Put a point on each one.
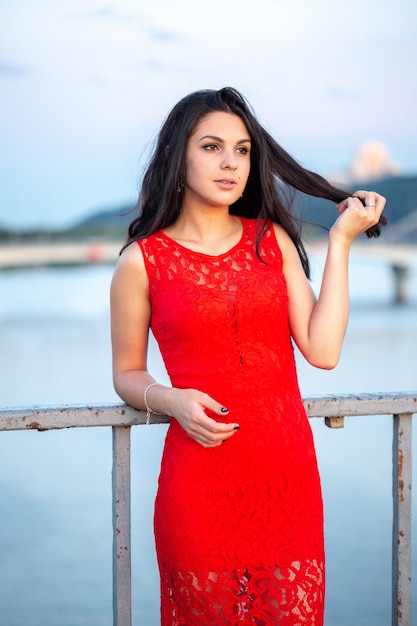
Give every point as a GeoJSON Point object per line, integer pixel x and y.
{"type": "Point", "coordinates": [273, 173]}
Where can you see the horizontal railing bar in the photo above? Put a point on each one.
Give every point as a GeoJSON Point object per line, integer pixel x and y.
{"type": "Point", "coordinates": [362, 404]}
{"type": "Point", "coordinates": [71, 416]}
{"type": "Point", "coordinates": [83, 415]}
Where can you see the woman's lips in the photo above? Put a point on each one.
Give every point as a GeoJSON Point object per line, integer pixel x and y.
{"type": "Point", "coordinates": [226, 183]}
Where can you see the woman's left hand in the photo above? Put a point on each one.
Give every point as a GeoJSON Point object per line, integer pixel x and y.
{"type": "Point", "coordinates": [358, 213]}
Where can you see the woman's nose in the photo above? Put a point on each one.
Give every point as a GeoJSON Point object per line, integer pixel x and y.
{"type": "Point", "coordinates": [229, 161]}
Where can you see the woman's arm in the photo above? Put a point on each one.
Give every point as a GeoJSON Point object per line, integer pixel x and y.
{"type": "Point", "coordinates": [130, 319]}
{"type": "Point", "coordinates": [318, 326]}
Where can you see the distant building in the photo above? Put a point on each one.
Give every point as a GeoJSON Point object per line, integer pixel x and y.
{"type": "Point", "coordinates": [372, 161]}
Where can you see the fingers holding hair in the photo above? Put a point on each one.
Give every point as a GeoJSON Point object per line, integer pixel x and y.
{"type": "Point", "coordinates": [370, 204]}
{"type": "Point", "coordinates": [370, 199]}
{"type": "Point", "coordinates": [376, 202]}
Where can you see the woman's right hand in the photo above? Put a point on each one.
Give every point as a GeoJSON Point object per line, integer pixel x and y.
{"type": "Point", "coordinates": [188, 407]}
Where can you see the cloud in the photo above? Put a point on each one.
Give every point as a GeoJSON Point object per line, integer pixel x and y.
{"type": "Point", "coordinates": [163, 36]}
{"type": "Point", "coordinates": [107, 13]}
{"type": "Point", "coordinates": [339, 93]}
{"type": "Point", "coordinates": [13, 70]}
{"type": "Point", "coordinates": [154, 65]}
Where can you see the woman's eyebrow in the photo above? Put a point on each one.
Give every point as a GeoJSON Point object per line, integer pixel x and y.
{"type": "Point", "coordinates": [220, 140]}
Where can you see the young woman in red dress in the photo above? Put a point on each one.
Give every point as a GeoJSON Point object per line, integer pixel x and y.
{"type": "Point", "coordinates": [214, 265]}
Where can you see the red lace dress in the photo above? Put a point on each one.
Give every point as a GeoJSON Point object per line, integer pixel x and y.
{"type": "Point", "coordinates": [239, 527]}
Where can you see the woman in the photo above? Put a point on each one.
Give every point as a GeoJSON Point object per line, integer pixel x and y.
{"type": "Point", "coordinates": [214, 264]}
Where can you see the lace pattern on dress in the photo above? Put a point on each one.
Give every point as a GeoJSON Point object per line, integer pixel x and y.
{"type": "Point", "coordinates": [291, 596]}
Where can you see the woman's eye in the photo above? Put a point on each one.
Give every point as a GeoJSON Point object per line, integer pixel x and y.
{"type": "Point", "coordinates": [212, 147]}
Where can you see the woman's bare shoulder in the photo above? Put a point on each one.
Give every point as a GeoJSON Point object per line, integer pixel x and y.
{"type": "Point", "coordinates": [131, 258]}
{"type": "Point", "coordinates": [130, 266]}
{"type": "Point", "coordinates": [284, 240]}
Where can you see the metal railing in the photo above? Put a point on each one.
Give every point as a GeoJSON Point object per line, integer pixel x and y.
{"type": "Point", "coordinates": [334, 409]}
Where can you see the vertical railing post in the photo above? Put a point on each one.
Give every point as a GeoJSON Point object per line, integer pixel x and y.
{"type": "Point", "coordinates": [122, 586]}
{"type": "Point", "coordinates": [401, 534]}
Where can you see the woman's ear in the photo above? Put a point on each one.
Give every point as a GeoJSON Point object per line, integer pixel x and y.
{"type": "Point", "coordinates": [167, 151]}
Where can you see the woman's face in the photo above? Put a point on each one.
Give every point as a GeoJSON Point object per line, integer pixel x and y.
{"type": "Point", "coordinates": [217, 161]}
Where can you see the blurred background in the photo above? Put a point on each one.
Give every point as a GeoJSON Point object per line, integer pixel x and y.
{"type": "Point", "coordinates": [85, 86]}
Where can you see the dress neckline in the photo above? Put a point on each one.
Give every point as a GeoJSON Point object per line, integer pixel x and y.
{"type": "Point", "coordinates": [204, 254]}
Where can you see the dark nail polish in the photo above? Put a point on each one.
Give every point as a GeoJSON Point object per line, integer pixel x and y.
{"type": "Point", "coordinates": [236, 427]}
{"type": "Point", "coordinates": [224, 410]}
{"type": "Point", "coordinates": [224, 440]}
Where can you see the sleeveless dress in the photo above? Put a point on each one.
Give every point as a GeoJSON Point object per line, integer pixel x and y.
{"type": "Point", "coordinates": [239, 527]}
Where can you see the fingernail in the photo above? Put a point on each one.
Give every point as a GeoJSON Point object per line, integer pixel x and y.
{"type": "Point", "coordinates": [224, 410]}
{"type": "Point", "coordinates": [236, 427]}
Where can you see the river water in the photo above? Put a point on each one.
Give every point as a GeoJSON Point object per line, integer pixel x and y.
{"type": "Point", "coordinates": [55, 487]}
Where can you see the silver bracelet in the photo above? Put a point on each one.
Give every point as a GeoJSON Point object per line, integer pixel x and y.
{"type": "Point", "coordinates": [148, 408]}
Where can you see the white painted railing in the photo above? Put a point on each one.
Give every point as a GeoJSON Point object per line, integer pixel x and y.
{"type": "Point", "coordinates": [334, 409]}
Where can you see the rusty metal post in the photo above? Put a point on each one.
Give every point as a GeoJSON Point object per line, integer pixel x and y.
{"type": "Point", "coordinates": [122, 584]}
{"type": "Point", "coordinates": [401, 534]}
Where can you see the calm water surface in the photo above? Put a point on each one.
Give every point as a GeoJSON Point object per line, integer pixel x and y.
{"type": "Point", "coordinates": [56, 536]}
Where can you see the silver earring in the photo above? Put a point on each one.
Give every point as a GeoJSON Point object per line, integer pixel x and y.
{"type": "Point", "coordinates": [179, 186]}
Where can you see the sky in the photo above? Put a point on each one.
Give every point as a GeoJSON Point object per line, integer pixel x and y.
{"type": "Point", "coordinates": [86, 84]}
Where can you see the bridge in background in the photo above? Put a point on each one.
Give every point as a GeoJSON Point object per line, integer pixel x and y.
{"type": "Point", "coordinates": [400, 256]}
